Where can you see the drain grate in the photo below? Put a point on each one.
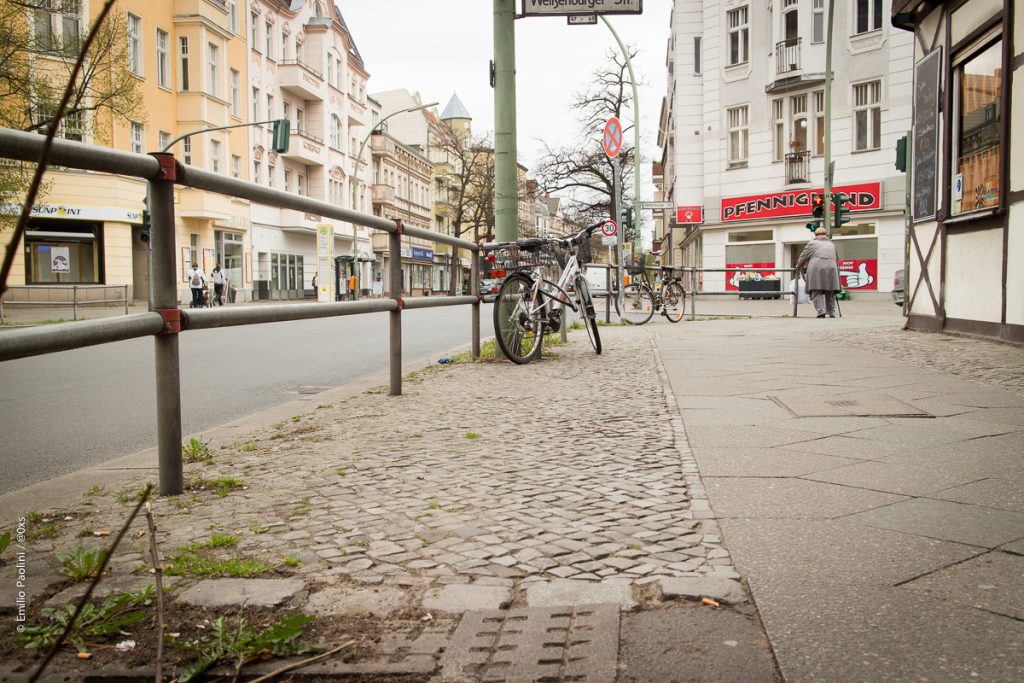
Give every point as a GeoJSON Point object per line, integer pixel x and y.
{"type": "Point", "coordinates": [844, 403]}
{"type": "Point", "coordinates": [859, 404]}
{"type": "Point", "coordinates": [535, 644]}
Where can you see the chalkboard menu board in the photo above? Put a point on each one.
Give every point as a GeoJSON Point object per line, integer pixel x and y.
{"type": "Point", "coordinates": [926, 135]}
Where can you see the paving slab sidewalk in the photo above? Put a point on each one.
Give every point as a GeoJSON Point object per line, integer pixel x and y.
{"type": "Point", "coordinates": [880, 543]}
{"type": "Point", "coordinates": [563, 485]}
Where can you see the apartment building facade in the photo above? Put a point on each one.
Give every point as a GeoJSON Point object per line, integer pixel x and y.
{"type": "Point", "coordinates": [743, 136]}
{"type": "Point", "coordinates": [187, 59]}
{"type": "Point", "coordinates": [966, 239]}
{"type": "Point", "coordinates": [304, 66]}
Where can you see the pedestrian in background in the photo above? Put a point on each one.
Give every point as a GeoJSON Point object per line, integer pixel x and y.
{"type": "Point", "coordinates": [820, 263]}
{"type": "Point", "coordinates": [219, 280]}
{"type": "Point", "coordinates": [196, 282]}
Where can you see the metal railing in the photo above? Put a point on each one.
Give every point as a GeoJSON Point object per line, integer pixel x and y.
{"type": "Point", "coordinates": [787, 56]}
{"type": "Point", "coordinates": [165, 320]}
{"type": "Point", "coordinates": [74, 303]}
{"type": "Point", "coordinates": [694, 293]}
{"type": "Point", "coordinates": [798, 167]}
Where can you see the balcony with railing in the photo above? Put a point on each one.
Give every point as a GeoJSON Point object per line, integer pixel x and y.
{"type": "Point", "coordinates": [787, 56]}
{"type": "Point", "coordinates": [383, 195]}
{"type": "Point", "coordinates": [305, 147]}
{"type": "Point", "coordinates": [798, 167]}
{"type": "Point", "coordinates": [301, 79]}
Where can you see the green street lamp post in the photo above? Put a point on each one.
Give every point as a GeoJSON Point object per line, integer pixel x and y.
{"type": "Point", "coordinates": [359, 160]}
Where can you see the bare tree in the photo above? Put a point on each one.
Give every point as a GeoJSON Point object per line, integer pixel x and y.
{"type": "Point", "coordinates": [583, 171]}
{"type": "Point", "coordinates": [40, 42]}
{"type": "Point", "coordinates": [467, 165]}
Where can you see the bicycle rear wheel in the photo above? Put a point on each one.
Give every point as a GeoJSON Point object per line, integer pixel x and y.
{"type": "Point", "coordinates": [586, 304]}
{"type": "Point", "coordinates": [517, 332]}
{"type": "Point", "coordinates": [673, 301]}
{"type": "Point", "coordinates": [637, 304]}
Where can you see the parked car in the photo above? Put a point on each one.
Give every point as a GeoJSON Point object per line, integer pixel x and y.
{"type": "Point", "coordinates": [489, 286]}
{"type": "Point", "coordinates": [897, 288]}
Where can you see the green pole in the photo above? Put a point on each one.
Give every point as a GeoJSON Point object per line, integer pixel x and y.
{"type": "Point", "coordinates": [636, 138]}
{"type": "Point", "coordinates": [506, 190]}
{"type": "Point", "coordinates": [828, 122]}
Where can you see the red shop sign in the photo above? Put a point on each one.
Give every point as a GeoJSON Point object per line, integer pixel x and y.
{"type": "Point", "coordinates": [859, 273]}
{"type": "Point", "coordinates": [689, 214]}
{"type": "Point", "coordinates": [751, 272]}
{"type": "Point", "coordinates": [863, 197]}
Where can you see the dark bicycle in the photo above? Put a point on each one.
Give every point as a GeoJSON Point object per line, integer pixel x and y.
{"type": "Point", "coordinates": [640, 299]}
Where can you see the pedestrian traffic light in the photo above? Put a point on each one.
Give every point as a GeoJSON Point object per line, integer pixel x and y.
{"type": "Point", "coordinates": [282, 135]}
{"type": "Point", "coordinates": [818, 205]}
{"type": "Point", "coordinates": [144, 233]}
{"type": "Point", "coordinates": [841, 210]}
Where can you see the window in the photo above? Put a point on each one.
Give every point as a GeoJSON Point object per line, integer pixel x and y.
{"type": "Point", "coordinates": [977, 134]}
{"type": "Point", "coordinates": [254, 32]}
{"type": "Point", "coordinates": [299, 119]}
{"type": "Point", "coordinates": [778, 131]}
{"type": "Point", "coordinates": [256, 171]}
{"type": "Point", "coordinates": [236, 94]}
{"type": "Point", "coordinates": [300, 186]}
{"type": "Point", "coordinates": [186, 151]}
{"type": "Point", "coordinates": [215, 156]}
{"type": "Point", "coordinates": [71, 126]}
{"type": "Point", "coordinates": [284, 44]}
{"type": "Point", "coordinates": [696, 55]}
{"type": "Point", "coordinates": [819, 122]}
{"type": "Point", "coordinates": [163, 67]}
{"type": "Point", "coordinates": [798, 110]}
{"type": "Point", "coordinates": [738, 35]}
{"type": "Point", "coordinates": [233, 15]}
{"type": "Point", "coordinates": [868, 15]}
{"type": "Point", "coordinates": [738, 118]}
{"type": "Point", "coordinates": [270, 107]}
{"type": "Point", "coordinates": [255, 104]}
{"type": "Point", "coordinates": [236, 166]}
{"type": "Point", "coordinates": [163, 138]}
{"type": "Point", "coordinates": [818, 22]}
{"type": "Point", "coordinates": [287, 114]}
{"type": "Point", "coordinates": [138, 137]}
{"type": "Point", "coordinates": [183, 62]}
{"type": "Point", "coordinates": [867, 116]}
{"type": "Point", "coordinates": [287, 180]}
{"type": "Point", "coordinates": [330, 69]}
{"type": "Point", "coordinates": [271, 170]}
{"type": "Point", "coordinates": [213, 59]}
{"type": "Point", "coordinates": [270, 40]}
{"type": "Point", "coordinates": [50, 20]}
{"type": "Point", "coordinates": [135, 44]}
{"type": "Point", "coordinates": [335, 132]}
{"type": "Point", "coordinates": [45, 40]}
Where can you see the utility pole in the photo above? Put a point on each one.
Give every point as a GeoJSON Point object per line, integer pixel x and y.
{"type": "Point", "coordinates": [828, 122]}
{"type": "Point", "coordinates": [506, 186]}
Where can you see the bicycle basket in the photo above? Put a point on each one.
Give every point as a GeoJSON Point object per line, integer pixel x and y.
{"type": "Point", "coordinates": [512, 257]}
{"type": "Point", "coordinates": [583, 253]}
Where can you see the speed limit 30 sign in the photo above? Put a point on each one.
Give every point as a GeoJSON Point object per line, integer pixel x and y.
{"type": "Point", "coordinates": [608, 232]}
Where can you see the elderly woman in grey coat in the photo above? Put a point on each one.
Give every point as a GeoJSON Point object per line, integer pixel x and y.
{"type": "Point", "coordinates": [819, 261]}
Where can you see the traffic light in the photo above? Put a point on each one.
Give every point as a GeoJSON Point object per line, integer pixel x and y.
{"type": "Point", "coordinates": [628, 233]}
{"type": "Point", "coordinates": [812, 226]}
{"type": "Point", "coordinates": [841, 210]}
{"type": "Point", "coordinates": [818, 205]}
{"type": "Point", "coordinates": [282, 135]}
{"type": "Point", "coordinates": [901, 154]}
{"type": "Point", "coordinates": [144, 233]}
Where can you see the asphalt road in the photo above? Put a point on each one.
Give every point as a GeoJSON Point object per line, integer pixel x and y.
{"type": "Point", "coordinates": [66, 411]}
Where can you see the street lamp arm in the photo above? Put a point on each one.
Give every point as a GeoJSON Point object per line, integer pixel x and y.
{"type": "Point", "coordinates": [359, 156]}
{"type": "Point", "coordinates": [178, 139]}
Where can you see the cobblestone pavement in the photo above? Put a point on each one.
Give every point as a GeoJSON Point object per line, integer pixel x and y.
{"type": "Point", "coordinates": [977, 360]}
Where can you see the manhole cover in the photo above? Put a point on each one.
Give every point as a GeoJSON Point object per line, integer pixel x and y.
{"type": "Point", "coordinates": [535, 644]}
{"type": "Point", "coordinates": [308, 389]}
{"type": "Point", "coordinates": [855, 405]}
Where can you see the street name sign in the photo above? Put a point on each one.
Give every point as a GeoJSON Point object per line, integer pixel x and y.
{"type": "Point", "coordinates": [689, 214]}
{"type": "Point", "coordinates": [656, 205]}
{"type": "Point", "coordinates": [608, 232]}
{"type": "Point", "coordinates": [557, 8]}
{"type": "Point", "coordinates": [612, 138]}
{"type": "Point", "coordinates": [581, 19]}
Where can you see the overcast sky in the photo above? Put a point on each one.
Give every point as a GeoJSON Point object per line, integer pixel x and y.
{"type": "Point", "coordinates": [438, 47]}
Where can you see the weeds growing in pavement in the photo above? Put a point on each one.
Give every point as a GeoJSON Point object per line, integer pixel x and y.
{"type": "Point", "coordinates": [222, 486]}
{"type": "Point", "coordinates": [5, 540]}
{"type": "Point", "coordinates": [196, 559]}
{"type": "Point", "coordinates": [250, 447]}
{"type": "Point", "coordinates": [81, 565]}
{"type": "Point", "coordinates": [112, 616]}
{"type": "Point", "coordinates": [237, 643]}
{"type": "Point", "coordinates": [292, 561]}
{"type": "Point", "coordinates": [304, 508]}
{"type": "Point", "coordinates": [471, 435]}
{"type": "Point", "coordinates": [258, 528]}
{"type": "Point", "coordinates": [197, 450]}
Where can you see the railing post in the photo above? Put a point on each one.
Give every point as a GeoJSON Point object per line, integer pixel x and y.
{"type": "Point", "coordinates": [126, 299]}
{"type": "Point", "coordinates": [474, 284]}
{"type": "Point", "coordinates": [796, 289]}
{"type": "Point", "coordinates": [395, 316]}
{"type": "Point", "coordinates": [608, 293]}
{"type": "Point", "coordinates": [693, 290]}
{"type": "Point", "coordinates": [563, 328]}
{"type": "Point", "coordinates": [74, 302]}
{"type": "Point", "coordinates": [164, 299]}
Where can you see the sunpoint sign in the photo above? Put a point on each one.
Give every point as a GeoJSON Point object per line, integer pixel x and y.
{"type": "Point", "coordinates": [558, 8]}
{"type": "Point", "coordinates": [863, 197]}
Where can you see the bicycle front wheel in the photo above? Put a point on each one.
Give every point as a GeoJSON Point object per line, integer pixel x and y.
{"type": "Point", "coordinates": [637, 304]}
{"type": "Point", "coordinates": [586, 305]}
{"type": "Point", "coordinates": [673, 301]}
{"type": "Point", "coordinates": [517, 331]}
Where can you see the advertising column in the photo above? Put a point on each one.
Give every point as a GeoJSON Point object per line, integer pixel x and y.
{"type": "Point", "coordinates": [324, 262]}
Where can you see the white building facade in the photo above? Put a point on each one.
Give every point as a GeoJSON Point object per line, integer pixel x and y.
{"type": "Point", "coordinates": [304, 67]}
{"type": "Point", "coordinates": [743, 137]}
